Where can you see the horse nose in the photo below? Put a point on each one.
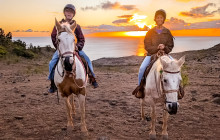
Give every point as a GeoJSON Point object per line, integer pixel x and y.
{"type": "Point", "coordinates": [67, 64]}
{"type": "Point", "coordinates": [172, 107]}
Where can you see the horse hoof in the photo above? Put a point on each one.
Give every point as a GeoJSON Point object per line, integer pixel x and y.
{"type": "Point", "coordinates": [165, 137]}
{"type": "Point", "coordinates": [84, 129]}
{"type": "Point", "coordinates": [152, 136]}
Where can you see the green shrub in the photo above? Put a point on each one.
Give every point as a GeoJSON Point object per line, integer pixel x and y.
{"type": "Point", "coordinates": [185, 79]}
{"type": "Point", "coordinates": [3, 51]}
{"type": "Point", "coordinates": [20, 43]}
{"type": "Point", "coordinates": [23, 52]}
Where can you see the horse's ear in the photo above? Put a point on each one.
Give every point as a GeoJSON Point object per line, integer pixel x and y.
{"type": "Point", "coordinates": [58, 26]}
{"type": "Point", "coordinates": [163, 62]}
{"type": "Point", "coordinates": [73, 26]}
{"type": "Point", "coordinates": [181, 61]}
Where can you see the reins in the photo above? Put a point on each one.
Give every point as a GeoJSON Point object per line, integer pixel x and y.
{"type": "Point", "coordinates": [167, 91]}
{"type": "Point", "coordinates": [162, 91]}
{"type": "Point", "coordinates": [73, 72]}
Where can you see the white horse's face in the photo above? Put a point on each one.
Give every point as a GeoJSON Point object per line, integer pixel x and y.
{"type": "Point", "coordinates": [66, 43]}
{"type": "Point", "coordinates": [171, 79]}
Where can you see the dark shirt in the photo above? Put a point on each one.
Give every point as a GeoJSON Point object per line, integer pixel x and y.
{"type": "Point", "coordinates": [78, 33]}
{"type": "Point", "coordinates": [153, 39]}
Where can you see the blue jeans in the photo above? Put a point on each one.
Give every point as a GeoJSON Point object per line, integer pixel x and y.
{"type": "Point", "coordinates": [143, 67]}
{"type": "Point", "coordinates": [55, 58]}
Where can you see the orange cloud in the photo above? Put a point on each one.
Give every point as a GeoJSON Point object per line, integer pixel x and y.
{"type": "Point", "coordinates": [109, 5]}
{"type": "Point", "coordinates": [199, 12]}
{"type": "Point", "coordinates": [197, 32]}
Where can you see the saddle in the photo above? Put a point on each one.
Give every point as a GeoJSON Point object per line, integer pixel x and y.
{"type": "Point", "coordinates": [139, 90]}
{"type": "Point", "coordinates": [85, 64]}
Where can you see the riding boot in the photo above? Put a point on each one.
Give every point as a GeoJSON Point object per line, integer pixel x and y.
{"type": "Point", "coordinates": [138, 92]}
{"type": "Point", "coordinates": [53, 87]}
{"type": "Point", "coordinates": [92, 81]}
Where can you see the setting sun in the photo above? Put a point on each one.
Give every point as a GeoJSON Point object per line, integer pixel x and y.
{"type": "Point", "coordinates": [140, 21]}
{"type": "Point", "coordinates": [135, 33]}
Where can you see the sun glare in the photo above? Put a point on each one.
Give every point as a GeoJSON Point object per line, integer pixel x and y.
{"type": "Point", "coordinates": [140, 21]}
{"type": "Point", "coordinates": [136, 33]}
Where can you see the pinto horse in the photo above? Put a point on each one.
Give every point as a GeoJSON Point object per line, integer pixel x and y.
{"type": "Point", "coordinates": [70, 76]}
{"type": "Point", "coordinates": [162, 85]}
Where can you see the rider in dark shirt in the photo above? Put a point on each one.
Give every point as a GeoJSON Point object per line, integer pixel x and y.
{"type": "Point", "coordinates": [69, 13]}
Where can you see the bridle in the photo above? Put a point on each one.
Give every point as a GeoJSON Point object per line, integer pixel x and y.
{"type": "Point", "coordinates": [161, 76]}
{"type": "Point", "coordinates": [73, 72]}
{"type": "Point", "coordinates": [61, 56]}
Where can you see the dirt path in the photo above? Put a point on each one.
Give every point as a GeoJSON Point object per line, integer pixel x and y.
{"type": "Point", "coordinates": [28, 112]}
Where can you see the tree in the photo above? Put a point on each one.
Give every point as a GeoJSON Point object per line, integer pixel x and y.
{"type": "Point", "coordinates": [9, 36]}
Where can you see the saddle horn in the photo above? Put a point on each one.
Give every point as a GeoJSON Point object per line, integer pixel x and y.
{"type": "Point", "coordinates": [57, 24]}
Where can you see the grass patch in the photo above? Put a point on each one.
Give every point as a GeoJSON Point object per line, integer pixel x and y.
{"type": "Point", "coordinates": [184, 75]}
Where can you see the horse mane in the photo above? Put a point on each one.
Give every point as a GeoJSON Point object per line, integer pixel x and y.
{"type": "Point", "coordinates": [66, 26]}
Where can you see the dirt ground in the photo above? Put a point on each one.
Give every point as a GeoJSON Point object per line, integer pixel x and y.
{"type": "Point", "coordinates": [27, 111]}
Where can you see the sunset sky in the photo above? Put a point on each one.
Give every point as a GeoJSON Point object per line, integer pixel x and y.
{"type": "Point", "coordinates": [112, 17]}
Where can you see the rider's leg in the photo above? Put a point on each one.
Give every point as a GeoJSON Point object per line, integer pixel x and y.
{"type": "Point", "coordinates": [143, 67]}
{"type": "Point", "coordinates": [94, 83]}
{"type": "Point", "coordinates": [138, 92]}
{"type": "Point", "coordinates": [52, 63]}
{"type": "Point", "coordinates": [170, 57]}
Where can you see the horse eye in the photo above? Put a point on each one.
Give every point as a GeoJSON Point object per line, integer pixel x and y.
{"type": "Point", "coordinates": [164, 80]}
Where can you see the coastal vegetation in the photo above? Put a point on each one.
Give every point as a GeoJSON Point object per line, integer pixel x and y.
{"type": "Point", "coordinates": [16, 48]}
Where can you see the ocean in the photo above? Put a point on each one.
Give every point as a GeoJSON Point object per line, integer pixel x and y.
{"type": "Point", "coordinates": [101, 47]}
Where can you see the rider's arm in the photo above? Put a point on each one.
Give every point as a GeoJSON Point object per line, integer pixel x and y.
{"type": "Point", "coordinates": [80, 38]}
{"type": "Point", "coordinates": [54, 37]}
{"type": "Point", "coordinates": [169, 45]}
{"type": "Point", "coordinates": [149, 47]}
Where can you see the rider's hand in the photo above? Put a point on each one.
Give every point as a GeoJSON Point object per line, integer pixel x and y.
{"type": "Point", "coordinates": [76, 49]}
{"type": "Point", "coordinates": [161, 46]}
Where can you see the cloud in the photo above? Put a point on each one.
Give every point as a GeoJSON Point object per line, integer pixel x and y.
{"type": "Point", "coordinates": [172, 24]}
{"type": "Point", "coordinates": [29, 30]}
{"type": "Point", "coordinates": [199, 12]}
{"type": "Point", "coordinates": [17, 31]}
{"type": "Point", "coordinates": [125, 16]}
{"type": "Point", "coordinates": [44, 31]}
{"type": "Point", "coordinates": [121, 21]}
{"type": "Point", "coordinates": [189, 0]}
{"type": "Point", "coordinates": [89, 8]}
{"type": "Point", "coordinates": [109, 5]}
{"type": "Point", "coordinates": [112, 28]}
{"type": "Point", "coordinates": [179, 24]}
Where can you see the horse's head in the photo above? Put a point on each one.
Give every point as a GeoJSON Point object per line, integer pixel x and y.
{"type": "Point", "coordinates": [66, 43]}
{"type": "Point", "coordinates": [170, 81]}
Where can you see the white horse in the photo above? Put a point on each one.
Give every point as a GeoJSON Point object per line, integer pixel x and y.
{"type": "Point", "coordinates": [70, 76]}
{"type": "Point", "coordinates": [162, 85]}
